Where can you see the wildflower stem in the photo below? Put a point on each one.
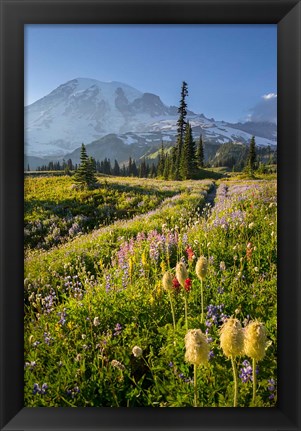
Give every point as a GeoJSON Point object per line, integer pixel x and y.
{"type": "Point", "coordinates": [202, 302]}
{"type": "Point", "coordinates": [254, 380]}
{"type": "Point", "coordinates": [235, 382]}
{"type": "Point", "coordinates": [172, 311]}
{"type": "Point", "coordinates": [195, 385]}
{"type": "Point", "coordinates": [186, 311]}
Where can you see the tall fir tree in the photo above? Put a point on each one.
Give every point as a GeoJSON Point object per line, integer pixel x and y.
{"type": "Point", "coordinates": [134, 169]}
{"type": "Point", "coordinates": [116, 168]}
{"type": "Point", "coordinates": [130, 167]}
{"type": "Point", "coordinates": [143, 169]}
{"type": "Point", "coordinates": [70, 164]}
{"type": "Point", "coordinates": [200, 153]}
{"type": "Point", "coordinates": [252, 156]}
{"type": "Point", "coordinates": [166, 171]}
{"type": "Point", "coordinates": [91, 171]}
{"type": "Point", "coordinates": [153, 171]}
{"type": "Point", "coordinates": [181, 123]}
{"type": "Point", "coordinates": [188, 165]}
{"type": "Point", "coordinates": [85, 174]}
{"type": "Point", "coordinates": [173, 164]}
{"type": "Point", "coordinates": [161, 161]}
{"type": "Point", "coordinates": [123, 171]}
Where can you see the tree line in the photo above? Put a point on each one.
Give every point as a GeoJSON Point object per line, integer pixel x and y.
{"type": "Point", "coordinates": [131, 169]}
{"type": "Point", "coordinates": [182, 161]}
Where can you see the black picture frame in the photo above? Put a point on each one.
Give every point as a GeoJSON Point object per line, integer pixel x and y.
{"type": "Point", "coordinates": [14, 14]}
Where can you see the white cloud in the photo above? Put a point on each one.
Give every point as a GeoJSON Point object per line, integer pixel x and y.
{"type": "Point", "coordinates": [269, 96]}
{"type": "Point", "coordinates": [265, 109]}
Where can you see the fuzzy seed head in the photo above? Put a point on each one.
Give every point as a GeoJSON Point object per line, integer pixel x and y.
{"type": "Point", "coordinates": [232, 338]}
{"type": "Point", "coordinates": [167, 281]}
{"type": "Point", "coordinates": [255, 340]}
{"type": "Point", "coordinates": [197, 347]}
{"type": "Point", "coordinates": [181, 273]}
{"type": "Point", "coordinates": [137, 351]}
{"type": "Point", "coordinates": [117, 364]}
{"type": "Point", "coordinates": [201, 267]}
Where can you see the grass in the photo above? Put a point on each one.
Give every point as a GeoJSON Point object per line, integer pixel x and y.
{"type": "Point", "coordinates": [90, 300]}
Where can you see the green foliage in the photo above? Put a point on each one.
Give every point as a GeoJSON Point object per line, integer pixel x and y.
{"type": "Point", "coordinates": [200, 153]}
{"type": "Point", "coordinates": [181, 123]}
{"type": "Point", "coordinates": [85, 174]}
{"type": "Point", "coordinates": [252, 156]}
{"type": "Point", "coordinates": [56, 211]}
{"type": "Point", "coordinates": [188, 165]}
{"type": "Point", "coordinates": [90, 301]}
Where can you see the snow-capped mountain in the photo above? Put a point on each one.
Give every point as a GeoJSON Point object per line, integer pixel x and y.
{"type": "Point", "coordinates": [85, 110]}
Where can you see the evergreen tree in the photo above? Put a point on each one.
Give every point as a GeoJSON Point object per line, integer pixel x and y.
{"type": "Point", "coordinates": [252, 156]}
{"type": "Point", "coordinates": [116, 168]}
{"type": "Point", "coordinates": [123, 171]}
{"type": "Point", "coordinates": [181, 123]}
{"type": "Point", "coordinates": [85, 174]}
{"type": "Point", "coordinates": [143, 169]}
{"type": "Point", "coordinates": [172, 164]}
{"type": "Point", "coordinates": [153, 171]}
{"type": "Point", "coordinates": [166, 171]}
{"type": "Point", "coordinates": [106, 166]}
{"type": "Point", "coordinates": [134, 169]}
{"type": "Point", "coordinates": [91, 171]}
{"type": "Point", "coordinates": [188, 165]}
{"type": "Point", "coordinates": [130, 167]}
{"type": "Point", "coordinates": [161, 161]}
{"type": "Point", "coordinates": [200, 153]}
{"type": "Point", "coordinates": [69, 164]}
{"type": "Point", "coordinates": [147, 171]}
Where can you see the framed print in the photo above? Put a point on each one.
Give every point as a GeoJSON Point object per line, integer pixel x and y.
{"type": "Point", "coordinates": [151, 153]}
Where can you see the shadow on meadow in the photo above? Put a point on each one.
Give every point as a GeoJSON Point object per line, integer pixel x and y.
{"type": "Point", "coordinates": [50, 222]}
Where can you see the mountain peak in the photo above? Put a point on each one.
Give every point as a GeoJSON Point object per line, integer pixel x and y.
{"type": "Point", "coordinates": [86, 109]}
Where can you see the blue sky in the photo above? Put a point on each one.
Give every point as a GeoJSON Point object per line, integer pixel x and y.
{"type": "Point", "coordinates": [231, 70]}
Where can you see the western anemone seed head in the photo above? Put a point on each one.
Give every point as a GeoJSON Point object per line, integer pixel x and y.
{"type": "Point", "coordinates": [222, 266]}
{"type": "Point", "coordinates": [197, 347]}
{"type": "Point", "coordinates": [117, 364]}
{"type": "Point", "coordinates": [167, 281]}
{"type": "Point", "coordinates": [232, 338]}
{"type": "Point", "coordinates": [201, 267]}
{"type": "Point", "coordinates": [137, 351]}
{"type": "Point", "coordinates": [255, 340]}
{"type": "Point", "coordinates": [181, 273]}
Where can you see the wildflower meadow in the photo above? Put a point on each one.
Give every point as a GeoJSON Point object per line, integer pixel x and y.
{"type": "Point", "coordinates": [150, 293]}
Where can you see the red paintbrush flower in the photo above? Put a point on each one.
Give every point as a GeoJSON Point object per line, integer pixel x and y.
{"type": "Point", "coordinates": [188, 284]}
{"type": "Point", "coordinates": [176, 284]}
{"type": "Point", "coordinates": [190, 253]}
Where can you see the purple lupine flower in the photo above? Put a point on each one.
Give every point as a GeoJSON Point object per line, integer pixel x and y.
{"type": "Point", "coordinates": [47, 338]}
{"type": "Point", "coordinates": [48, 303]}
{"type": "Point", "coordinates": [63, 317]}
{"type": "Point", "coordinates": [40, 390]}
{"type": "Point", "coordinates": [36, 389]}
{"type": "Point", "coordinates": [117, 329]}
{"type": "Point", "coordinates": [272, 388]}
{"type": "Point", "coordinates": [246, 372]}
{"type": "Point", "coordinates": [215, 315]}
{"type": "Point", "coordinates": [108, 282]}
